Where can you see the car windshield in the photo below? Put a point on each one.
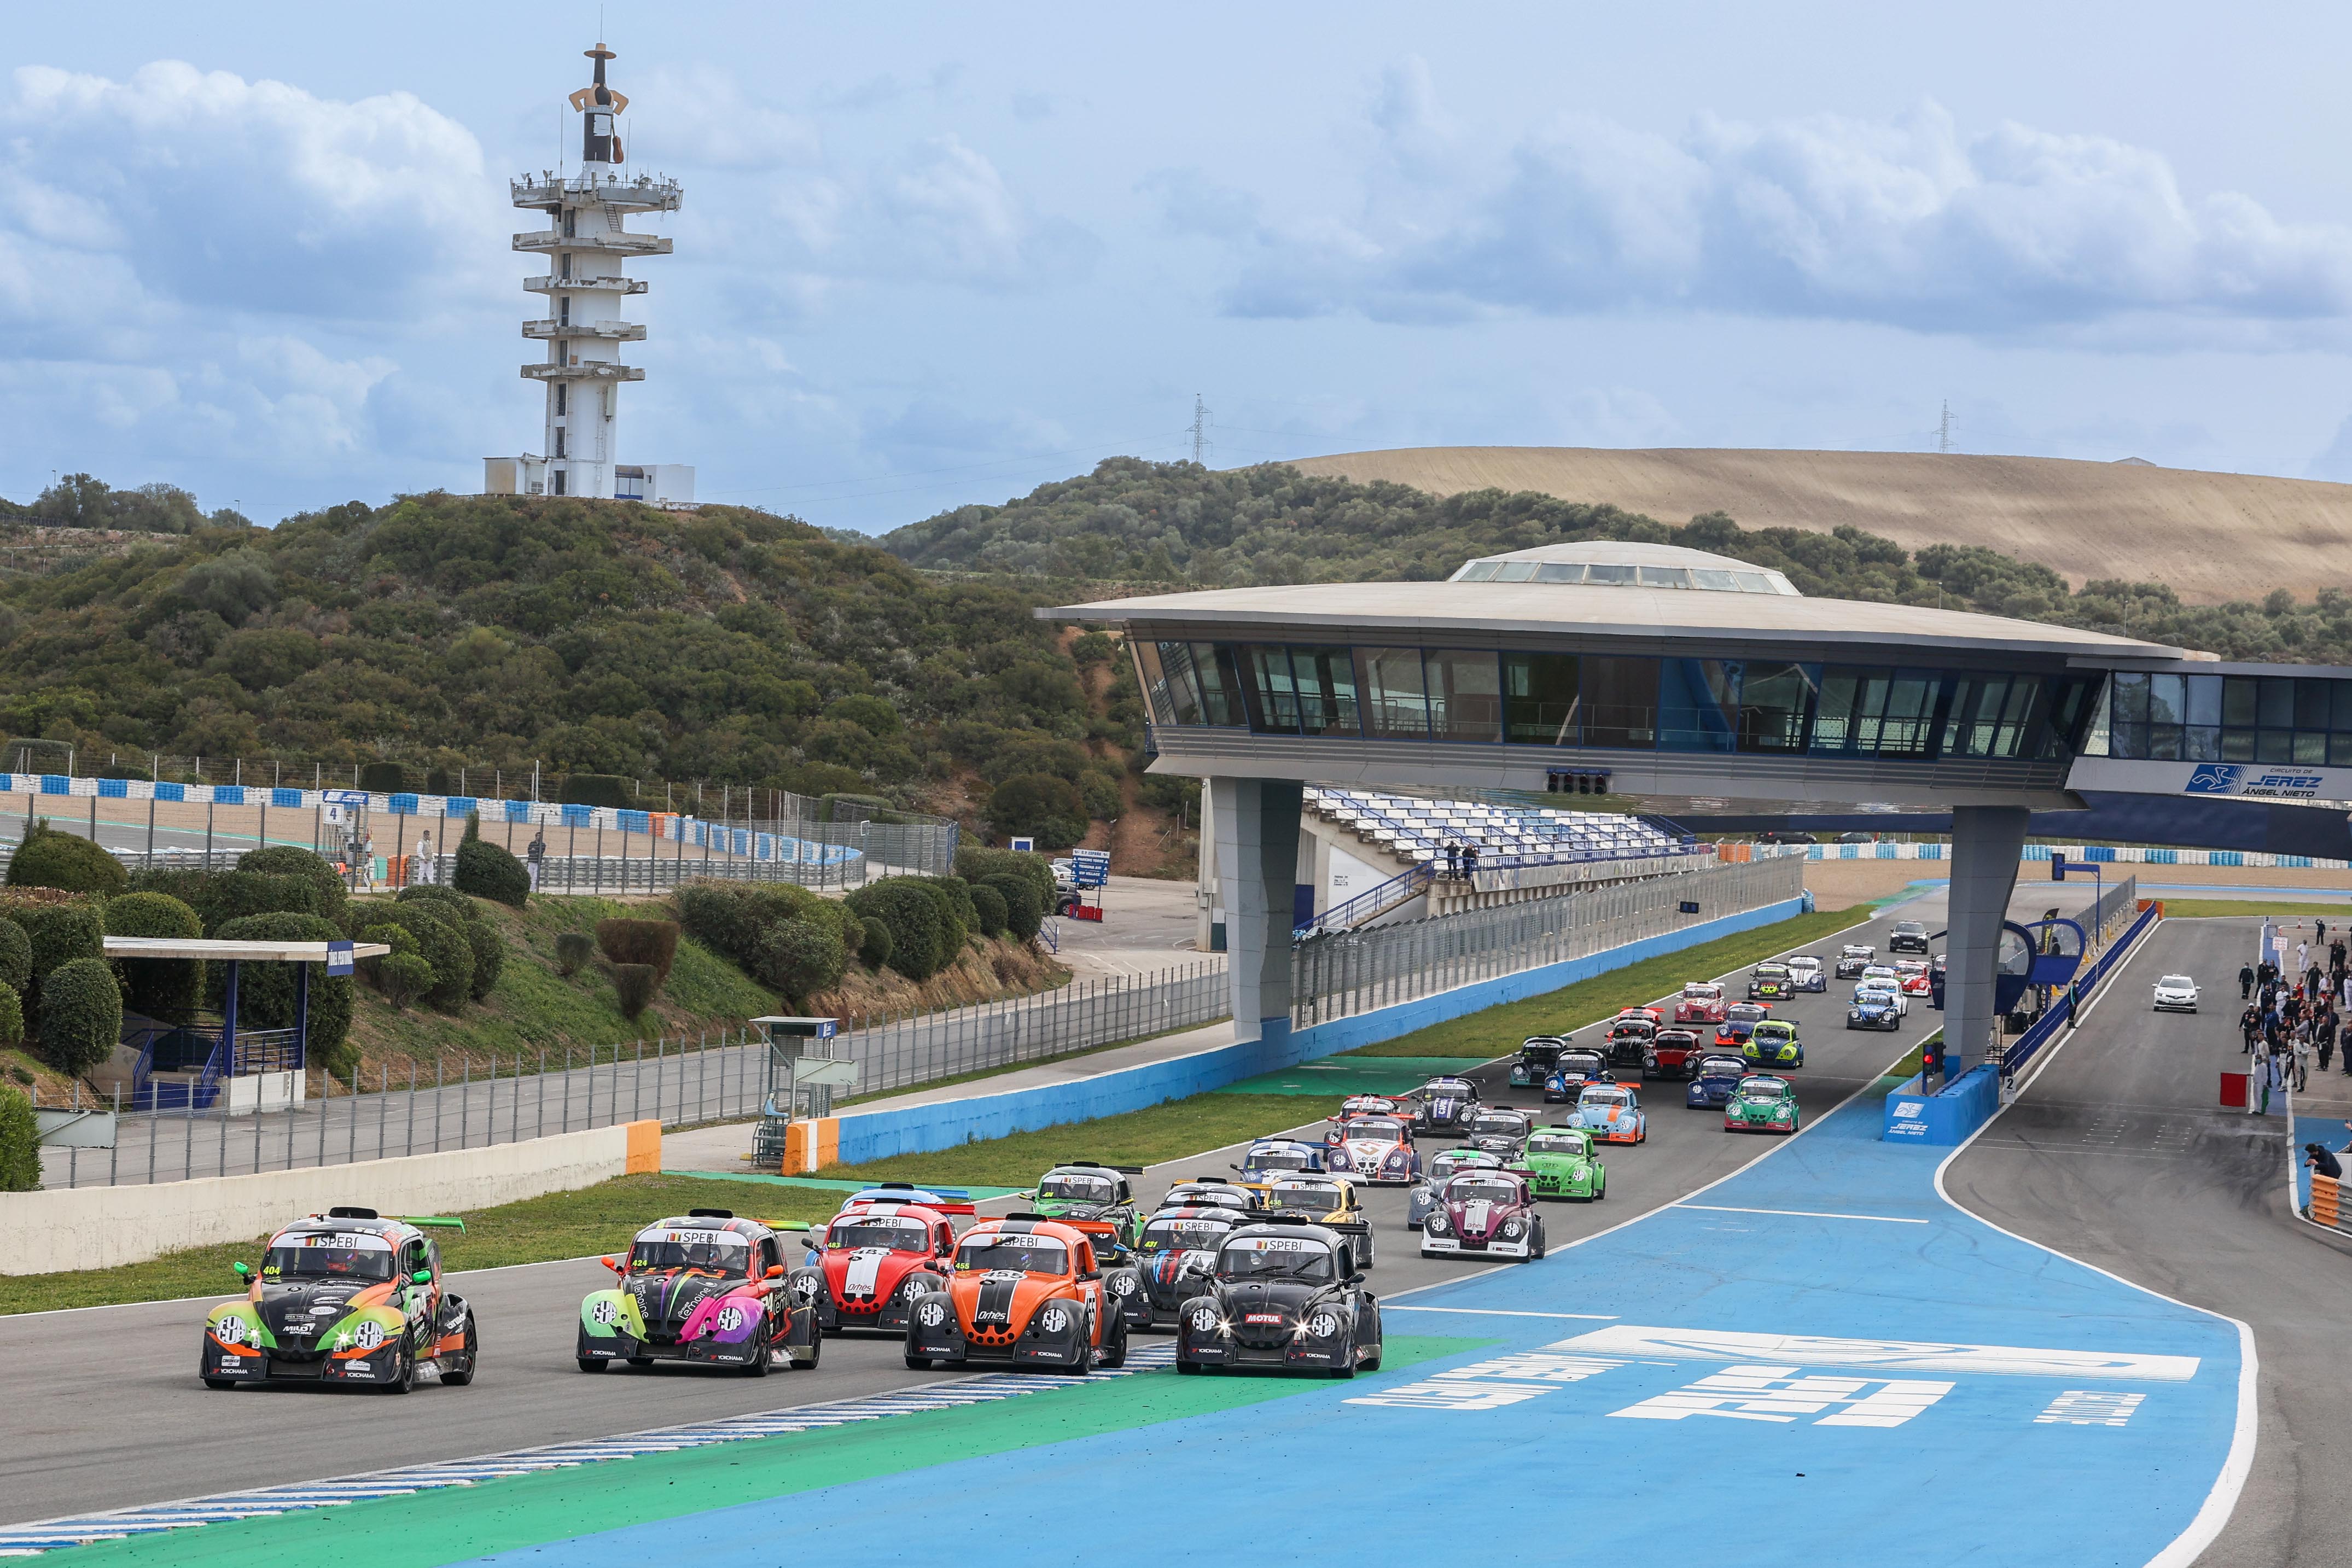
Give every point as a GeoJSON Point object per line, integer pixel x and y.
{"type": "Point", "coordinates": [1184, 1235]}
{"type": "Point", "coordinates": [1454, 1160]}
{"type": "Point", "coordinates": [1879, 972]}
{"type": "Point", "coordinates": [1696, 992]}
{"type": "Point", "coordinates": [1013, 1254]}
{"type": "Point", "coordinates": [1076, 1186]}
{"type": "Point", "coordinates": [1795, 964]}
{"type": "Point", "coordinates": [339, 1255]}
{"type": "Point", "coordinates": [2178, 982]}
{"type": "Point", "coordinates": [1375, 1130]}
{"type": "Point", "coordinates": [1909, 928]}
{"type": "Point", "coordinates": [1775, 1031]}
{"type": "Point", "coordinates": [1722, 1067]}
{"type": "Point", "coordinates": [1554, 1143]}
{"type": "Point", "coordinates": [1605, 1095]}
{"type": "Point", "coordinates": [1771, 1088]}
{"type": "Point", "coordinates": [1479, 1187]}
{"type": "Point", "coordinates": [1447, 1089]}
{"type": "Point", "coordinates": [1280, 1158]}
{"type": "Point", "coordinates": [1581, 1063]}
{"type": "Point", "coordinates": [1743, 1012]}
{"type": "Point", "coordinates": [899, 1235]}
{"type": "Point", "coordinates": [1205, 1198]}
{"type": "Point", "coordinates": [704, 1251]}
{"type": "Point", "coordinates": [1306, 1198]}
{"type": "Point", "coordinates": [1671, 1039]}
{"type": "Point", "coordinates": [1624, 1026]}
{"type": "Point", "coordinates": [1274, 1257]}
{"type": "Point", "coordinates": [1873, 1000]}
{"type": "Point", "coordinates": [1770, 971]}
{"type": "Point", "coordinates": [1759, 1097]}
{"type": "Point", "coordinates": [1495, 1124]}
{"type": "Point", "coordinates": [1851, 952]}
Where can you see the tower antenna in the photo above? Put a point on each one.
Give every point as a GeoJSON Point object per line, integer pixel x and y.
{"type": "Point", "coordinates": [1944, 430]}
{"type": "Point", "coordinates": [1201, 443]}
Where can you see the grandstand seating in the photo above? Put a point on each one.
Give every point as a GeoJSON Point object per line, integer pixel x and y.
{"type": "Point", "coordinates": [1419, 830]}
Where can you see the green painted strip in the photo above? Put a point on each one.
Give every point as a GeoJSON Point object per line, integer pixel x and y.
{"type": "Point", "coordinates": [828, 1185]}
{"type": "Point", "coordinates": [1339, 1076]}
{"type": "Point", "coordinates": [453, 1524]}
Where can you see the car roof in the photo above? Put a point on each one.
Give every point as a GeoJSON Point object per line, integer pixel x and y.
{"type": "Point", "coordinates": [390, 1231]}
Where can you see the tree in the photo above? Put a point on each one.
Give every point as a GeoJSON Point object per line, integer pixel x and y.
{"type": "Point", "coordinates": [48, 858]}
{"type": "Point", "coordinates": [486, 871]}
{"type": "Point", "coordinates": [1039, 806]}
{"type": "Point", "coordinates": [81, 1016]}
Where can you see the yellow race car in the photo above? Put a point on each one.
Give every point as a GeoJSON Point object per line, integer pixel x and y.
{"type": "Point", "coordinates": [1330, 1201]}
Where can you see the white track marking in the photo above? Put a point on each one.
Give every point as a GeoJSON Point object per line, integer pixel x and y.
{"type": "Point", "coordinates": [1799, 1213]}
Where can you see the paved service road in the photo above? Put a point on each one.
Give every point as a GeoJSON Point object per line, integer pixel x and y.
{"type": "Point", "coordinates": [107, 1412]}
{"type": "Point", "coordinates": [2115, 1155]}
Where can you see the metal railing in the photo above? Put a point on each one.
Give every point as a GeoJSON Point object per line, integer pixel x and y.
{"type": "Point", "coordinates": [2054, 1019]}
{"type": "Point", "coordinates": [1347, 973]}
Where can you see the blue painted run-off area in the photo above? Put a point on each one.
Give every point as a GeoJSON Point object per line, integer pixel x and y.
{"type": "Point", "coordinates": [921, 1129]}
{"type": "Point", "coordinates": [1953, 1395]}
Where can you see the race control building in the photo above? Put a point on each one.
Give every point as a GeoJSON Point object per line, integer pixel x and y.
{"type": "Point", "coordinates": [1711, 691]}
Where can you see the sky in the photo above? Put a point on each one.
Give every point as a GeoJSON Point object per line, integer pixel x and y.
{"type": "Point", "coordinates": [935, 255]}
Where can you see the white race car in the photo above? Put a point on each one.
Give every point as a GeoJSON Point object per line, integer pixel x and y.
{"type": "Point", "coordinates": [1887, 988]}
{"type": "Point", "coordinates": [2176, 993]}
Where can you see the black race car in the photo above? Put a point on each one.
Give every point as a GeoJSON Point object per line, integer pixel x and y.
{"type": "Point", "coordinates": [1574, 1069]}
{"type": "Point", "coordinates": [1208, 1192]}
{"type": "Point", "coordinates": [347, 1297]}
{"type": "Point", "coordinates": [1178, 1251]}
{"type": "Point", "coordinates": [1444, 1105]}
{"type": "Point", "coordinates": [1770, 983]}
{"type": "Point", "coordinates": [1853, 958]}
{"type": "Point", "coordinates": [1500, 1130]}
{"type": "Point", "coordinates": [1908, 936]}
{"type": "Point", "coordinates": [1285, 1297]}
{"type": "Point", "coordinates": [1630, 1040]}
{"type": "Point", "coordinates": [1537, 1052]}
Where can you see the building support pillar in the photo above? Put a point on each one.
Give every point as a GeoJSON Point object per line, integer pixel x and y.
{"type": "Point", "coordinates": [1985, 843]}
{"type": "Point", "coordinates": [1257, 871]}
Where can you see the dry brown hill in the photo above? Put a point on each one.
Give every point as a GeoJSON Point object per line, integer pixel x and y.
{"type": "Point", "coordinates": [2213, 537]}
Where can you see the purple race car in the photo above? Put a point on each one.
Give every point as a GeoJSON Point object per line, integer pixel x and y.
{"type": "Point", "coordinates": [1485, 1214]}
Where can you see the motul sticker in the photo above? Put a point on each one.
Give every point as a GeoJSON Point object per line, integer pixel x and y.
{"type": "Point", "coordinates": [1263, 1318]}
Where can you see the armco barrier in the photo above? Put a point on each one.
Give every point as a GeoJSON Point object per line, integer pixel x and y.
{"type": "Point", "coordinates": [105, 1227]}
{"type": "Point", "coordinates": [922, 1129]}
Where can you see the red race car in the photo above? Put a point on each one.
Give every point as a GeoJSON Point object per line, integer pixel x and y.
{"type": "Point", "coordinates": [1702, 1002]}
{"type": "Point", "coordinates": [1675, 1053]}
{"type": "Point", "coordinates": [872, 1260]}
{"type": "Point", "coordinates": [1912, 975]}
{"type": "Point", "coordinates": [1655, 1015]}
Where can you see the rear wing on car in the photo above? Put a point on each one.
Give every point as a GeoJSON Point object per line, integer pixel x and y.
{"type": "Point", "coordinates": [434, 1221]}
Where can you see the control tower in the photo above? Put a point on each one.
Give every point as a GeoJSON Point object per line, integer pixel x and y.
{"type": "Point", "coordinates": [586, 245]}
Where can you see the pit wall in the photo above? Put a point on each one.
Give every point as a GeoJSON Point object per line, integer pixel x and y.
{"type": "Point", "coordinates": [107, 1227]}
{"type": "Point", "coordinates": [923, 1129]}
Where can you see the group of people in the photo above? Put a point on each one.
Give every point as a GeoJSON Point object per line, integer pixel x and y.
{"type": "Point", "coordinates": [2291, 1017]}
{"type": "Point", "coordinates": [1461, 860]}
{"type": "Point", "coordinates": [358, 854]}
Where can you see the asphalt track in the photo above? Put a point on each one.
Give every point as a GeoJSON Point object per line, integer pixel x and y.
{"type": "Point", "coordinates": [2118, 1154]}
{"type": "Point", "coordinates": [108, 1413]}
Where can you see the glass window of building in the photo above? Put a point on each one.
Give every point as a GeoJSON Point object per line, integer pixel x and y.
{"type": "Point", "coordinates": [1619, 702]}
{"type": "Point", "coordinates": [1618, 576]}
{"type": "Point", "coordinates": [1465, 694]}
{"type": "Point", "coordinates": [1665, 577]}
{"type": "Point", "coordinates": [1477, 572]}
{"type": "Point", "coordinates": [1151, 672]}
{"type": "Point", "coordinates": [1909, 723]}
{"type": "Point", "coordinates": [1325, 680]}
{"type": "Point", "coordinates": [1272, 695]}
{"type": "Point", "coordinates": [1396, 705]}
{"type": "Point", "coordinates": [1540, 699]}
{"type": "Point", "coordinates": [1699, 701]}
{"type": "Point", "coordinates": [1560, 571]}
{"type": "Point", "coordinates": [1775, 700]}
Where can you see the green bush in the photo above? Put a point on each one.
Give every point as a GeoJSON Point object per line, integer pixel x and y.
{"type": "Point", "coordinates": [489, 956]}
{"type": "Point", "coordinates": [486, 870]}
{"type": "Point", "coordinates": [572, 949]}
{"type": "Point", "coordinates": [399, 938]}
{"type": "Point", "coordinates": [1041, 805]}
{"type": "Point", "coordinates": [733, 919]}
{"type": "Point", "coordinates": [975, 862]}
{"type": "Point", "coordinates": [460, 906]}
{"type": "Point", "coordinates": [81, 1014]}
{"type": "Point", "coordinates": [241, 894]}
{"type": "Point", "coordinates": [20, 1148]}
{"type": "Point", "coordinates": [876, 948]}
{"type": "Point", "coordinates": [1100, 797]}
{"type": "Point", "coordinates": [1024, 914]}
{"type": "Point", "coordinates": [989, 904]}
{"type": "Point", "coordinates": [635, 985]}
{"type": "Point", "coordinates": [440, 942]}
{"type": "Point", "coordinates": [918, 917]}
{"type": "Point", "coordinates": [12, 1019]}
{"type": "Point", "coordinates": [48, 858]}
{"type": "Point", "coordinates": [15, 955]}
{"type": "Point", "coordinates": [404, 977]}
{"type": "Point", "coordinates": [57, 935]}
{"type": "Point", "coordinates": [384, 777]}
{"type": "Point", "coordinates": [292, 860]}
{"type": "Point", "coordinates": [597, 790]}
{"type": "Point", "coordinates": [798, 960]}
{"type": "Point", "coordinates": [188, 886]}
{"type": "Point", "coordinates": [266, 991]}
{"type": "Point", "coordinates": [166, 989]}
{"type": "Point", "coordinates": [653, 943]}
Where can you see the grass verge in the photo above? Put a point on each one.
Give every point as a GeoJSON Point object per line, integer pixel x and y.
{"type": "Point", "coordinates": [974, 1077]}
{"type": "Point", "coordinates": [2213, 908]}
{"type": "Point", "coordinates": [1165, 1132]}
{"type": "Point", "coordinates": [595, 1219]}
{"type": "Point", "coordinates": [1499, 1030]}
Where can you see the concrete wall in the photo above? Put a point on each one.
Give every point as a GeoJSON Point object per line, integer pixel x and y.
{"type": "Point", "coordinates": [105, 1227]}
{"type": "Point", "coordinates": [921, 1129]}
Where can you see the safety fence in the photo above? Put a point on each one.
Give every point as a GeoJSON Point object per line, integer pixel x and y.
{"type": "Point", "coordinates": [2054, 1019]}
{"type": "Point", "coordinates": [1351, 972]}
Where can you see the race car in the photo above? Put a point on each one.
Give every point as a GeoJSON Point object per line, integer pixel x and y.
{"type": "Point", "coordinates": [1852, 959]}
{"type": "Point", "coordinates": [1374, 1105]}
{"type": "Point", "coordinates": [1442, 1168]}
{"type": "Point", "coordinates": [1886, 974]}
{"type": "Point", "coordinates": [1026, 1290]}
{"type": "Point", "coordinates": [1539, 1053]}
{"type": "Point", "coordinates": [1560, 1163]}
{"type": "Point", "coordinates": [2176, 993]}
{"type": "Point", "coordinates": [1611, 1113]}
{"type": "Point", "coordinates": [1761, 1104]}
{"type": "Point", "coordinates": [1271, 1157]}
{"type": "Point", "coordinates": [1774, 1044]}
{"type": "Point", "coordinates": [1576, 1069]}
{"type": "Point", "coordinates": [1088, 1189]}
{"type": "Point", "coordinates": [1629, 1042]}
{"type": "Point", "coordinates": [1285, 1297]}
{"type": "Point", "coordinates": [1483, 1214]}
{"type": "Point", "coordinates": [1649, 1014]}
{"type": "Point", "coordinates": [1330, 1202]}
{"type": "Point", "coordinates": [1874, 1009]}
{"type": "Point", "coordinates": [1718, 1077]}
{"type": "Point", "coordinates": [1376, 1149]}
{"type": "Point", "coordinates": [1738, 1019]}
{"type": "Point", "coordinates": [870, 1260]}
{"type": "Point", "coordinates": [1908, 936]}
{"type": "Point", "coordinates": [1500, 1130]}
{"type": "Point", "coordinates": [1208, 1192]}
{"type": "Point", "coordinates": [1770, 983]}
{"type": "Point", "coordinates": [705, 1288]}
{"type": "Point", "coordinates": [1671, 1054]}
{"type": "Point", "coordinates": [1911, 976]}
{"type": "Point", "coordinates": [1885, 988]}
{"type": "Point", "coordinates": [346, 1297]}
{"type": "Point", "coordinates": [1701, 1002]}
{"type": "Point", "coordinates": [943, 1199]}
{"type": "Point", "coordinates": [1444, 1105]}
{"type": "Point", "coordinates": [1807, 971]}
{"type": "Point", "coordinates": [1174, 1240]}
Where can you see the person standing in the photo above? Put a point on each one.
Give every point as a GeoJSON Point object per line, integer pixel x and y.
{"type": "Point", "coordinates": [1469, 860]}
{"type": "Point", "coordinates": [2323, 1036]}
{"type": "Point", "coordinates": [536, 856]}
{"type": "Point", "coordinates": [2258, 1077]}
{"type": "Point", "coordinates": [2245, 982]}
{"type": "Point", "coordinates": [1452, 862]}
{"type": "Point", "coordinates": [2302, 956]}
{"type": "Point", "coordinates": [422, 872]}
{"type": "Point", "coordinates": [2301, 1061]}
{"type": "Point", "coordinates": [2249, 1028]}
{"type": "Point", "coordinates": [367, 859]}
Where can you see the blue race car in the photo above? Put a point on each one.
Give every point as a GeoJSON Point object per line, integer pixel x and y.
{"type": "Point", "coordinates": [1271, 1157]}
{"type": "Point", "coordinates": [1611, 1113]}
{"type": "Point", "coordinates": [1718, 1077]}
{"type": "Point", "coordinates": [1874, 1009]}
{"type": "Point", "coordinates": [1575, 1070]}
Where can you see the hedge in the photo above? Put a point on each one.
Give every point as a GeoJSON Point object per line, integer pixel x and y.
{"type": "Point", "coordinates": [266, 991]}
{"type": "Point", "coordinates": [57, 935]}
{"type": "Point", "coordinates": [572, 951]}
{"type": "Point", "coordinates": [989, 904]}
{"type": "Point", "coordinates": [48, 858]}
{"type": "Point", "coordinates": [404, 977]}
{"type": "Point", "coordinates": [922, 918]}
{"type": "Point", "coordinates": [384, 777]}
{"type": "Point", "coordinates": [1023, 914]}
{"type": "Point", "coordinates": [976, 863]}
{"type": "Point", "coordinates": [875, 949]}
{"type": "Point", "coordinates": [166, 989]}
{"type": "Point", "coordinates": [458, 905]}
{"type": "Point", "coordinates": [241, 894]}
{"type": "Point", "coordinates": [441, 943]}
{"type": "Point", "coordinates": [488, 872]}
{"type": "Point", "coordinates": [20, 1148]}
{"type": "Point", "coordinates": [653, 943]}
{"type": "Point", "coordinates": [489, 956]}
{"type": "Point", "coordinates": [734, 918]}
{"type": "Point", "coordinates": [81, 1014]}
{"type": "Point", "coordinates": [12, 1019]}
{"type": "Point", "coordinates": [291, 860]}
{"type": "Point", "coordinates": [15, 955]}
{"type": "Point", "coordinates": [635, 985]}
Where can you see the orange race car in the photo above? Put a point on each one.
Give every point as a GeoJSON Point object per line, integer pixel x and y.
{"type": "Point", "coordinates": [1026, 1290]}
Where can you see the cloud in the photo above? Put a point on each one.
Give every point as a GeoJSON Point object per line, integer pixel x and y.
{"type": "Point", "coordinates": [705, 121]}
{"type": "Point", "coordinates": [1909, 224]}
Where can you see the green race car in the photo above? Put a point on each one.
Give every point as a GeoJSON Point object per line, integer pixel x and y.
{"type": "Point", "coordinates": [1774, 1044]}
{"type": "Point", "coordinates": [1762, 1103]}
{"type": "Point", "coordinates": [1083, 1189]}
{"type": "Point", "coordinates": [1560, 1163]}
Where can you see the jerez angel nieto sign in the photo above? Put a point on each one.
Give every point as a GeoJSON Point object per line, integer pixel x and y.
{"type": "Point", "coordinates": [2235, 779]}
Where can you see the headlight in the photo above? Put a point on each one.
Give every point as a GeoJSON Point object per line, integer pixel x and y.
{"type": "Point", "coordinates": [1323, 1326]}
{"type": "Point", "coordinates": [932, 1314]}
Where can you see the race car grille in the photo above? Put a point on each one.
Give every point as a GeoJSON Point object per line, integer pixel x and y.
{"type": "Point", "coordinates": [1262, 1336]}
{"type": "Point", "coordinates": [862, 1305]}
{"type": "Point", "coordinates": [993, 1337]}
